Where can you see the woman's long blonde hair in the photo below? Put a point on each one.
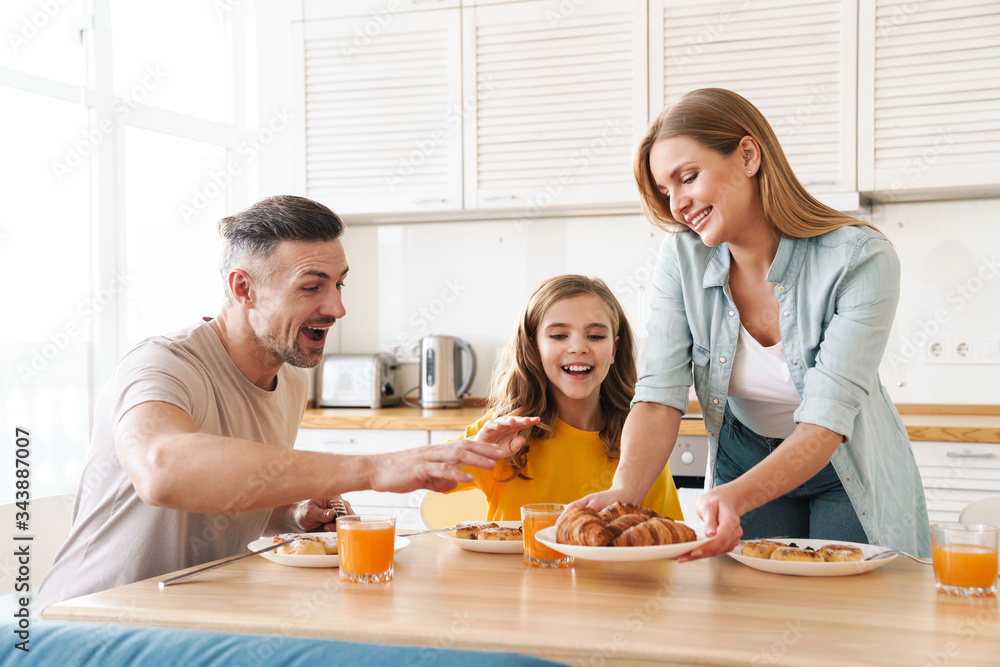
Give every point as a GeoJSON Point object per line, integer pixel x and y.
{"type": "Point", "coordinates": [520, 387]}
{"type": "Point", "coordinates": [718, 119]}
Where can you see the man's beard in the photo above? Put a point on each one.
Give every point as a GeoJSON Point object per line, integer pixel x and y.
{"type": "Point", "coordinates": [293, 355]}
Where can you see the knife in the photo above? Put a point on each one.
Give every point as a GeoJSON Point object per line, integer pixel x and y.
{"type": "Point", "coordinates": [180, 577]}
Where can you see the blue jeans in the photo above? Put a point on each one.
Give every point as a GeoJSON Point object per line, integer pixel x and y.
{"type": "Point", "coordinates": [819, 509]}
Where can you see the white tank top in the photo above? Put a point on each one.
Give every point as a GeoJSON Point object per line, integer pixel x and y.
{"type": "Point", "coordinates": [761, 390]}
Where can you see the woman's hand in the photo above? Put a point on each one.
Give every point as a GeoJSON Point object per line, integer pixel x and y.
{"type": "Point", "coordinates": [722, 523]}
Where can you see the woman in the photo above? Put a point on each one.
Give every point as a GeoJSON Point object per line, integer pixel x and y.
{"type": "Point", "coordinates": [781, 307]}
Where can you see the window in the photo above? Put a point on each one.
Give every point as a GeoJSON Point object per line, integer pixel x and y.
{"type": "Point", "coordinates": [115, 171]}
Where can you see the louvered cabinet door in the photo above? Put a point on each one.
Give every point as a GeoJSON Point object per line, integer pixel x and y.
{"type": "Point", "coordinates": [383, 116]}
{"type": "Point", "coordinates": [560, 101]}
{"type": "Point", "coordinates": [794, 61]}
{"type": "Point", "coordinates": [929, 99]}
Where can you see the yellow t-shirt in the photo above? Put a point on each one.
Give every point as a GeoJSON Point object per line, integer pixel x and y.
{"type": "Point", "coordinates": [563, 468]}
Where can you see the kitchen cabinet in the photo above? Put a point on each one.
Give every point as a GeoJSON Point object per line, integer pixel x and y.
{"type": "Point", "coordinates": [796, 62]}
{"type": "Point", "coordinates": [928, 113]}
{"type": "Point", "coordinates": [562, 98]}
{"type": "Point", "coordinates": [404, 506]}
{"type": "Point", "coordinates": [521, 109]}
{"type": "Point", "coordinates": [382, 100]}
{"type": "Point", "coordinates": [955, 474]}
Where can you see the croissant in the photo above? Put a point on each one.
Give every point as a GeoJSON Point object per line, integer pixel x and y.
{"type": "Point", "coordinates": [653, 531]}
{"type": "Point", "coordinates": [623, 523]}
{"type": "Point", "coordinates": [619, 509]}
{"type": "Point", "coordinates": [582, 525]}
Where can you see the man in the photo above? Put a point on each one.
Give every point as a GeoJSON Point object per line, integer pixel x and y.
{"type": "Point", "coordinates": [191, 456]}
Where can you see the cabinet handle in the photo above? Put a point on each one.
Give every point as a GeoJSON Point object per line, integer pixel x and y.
{"type": "Point", "coordinates": [418, 202]}
{"type": "Point", "coordinates": [500, 197]}
{"type": "Point", "coordinates": [352, 441]}
{"type": "Point", "coordinates": [960, 455]}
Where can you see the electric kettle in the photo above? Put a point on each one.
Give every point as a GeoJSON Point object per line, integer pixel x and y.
{"type": "Point", "coordinates": [442, 383]}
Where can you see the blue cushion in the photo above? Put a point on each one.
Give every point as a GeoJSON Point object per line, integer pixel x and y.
{"type": "Point", "coordinates": [72, 644]}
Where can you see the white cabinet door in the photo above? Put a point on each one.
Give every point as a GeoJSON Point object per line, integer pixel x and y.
{"type": "Point", "coordinates": [561, 100]}
{"type": "Point", "coordinates": [383, 110]}
{"type": "Point", "coordinates": [404, 506]}
{"type": "Point", "coordinates": [794, 61]}
{"type": "Point", "coordinates": [929, 113]}
{"type": "Point", "coordinates": [955, 474]}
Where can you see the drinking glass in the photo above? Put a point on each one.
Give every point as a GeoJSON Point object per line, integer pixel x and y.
{"type": "Point", "coordinates": [965, 558]}
{"type": "Point", "coordinates": [535, 517]}
{"type": "Point", "coordinates": [366, 545]}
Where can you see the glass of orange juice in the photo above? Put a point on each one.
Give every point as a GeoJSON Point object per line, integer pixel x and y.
{"type": "Point", "coordinates": [535, 517]}
{"type": "Point", "coordinates": [365, 543]}
{"type": "Point", "coordinates": [965, 558]}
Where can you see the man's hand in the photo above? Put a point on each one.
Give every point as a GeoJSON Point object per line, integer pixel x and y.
{"type": "Point", "coordinates": [319, 514]}
{"type": "Point", "coordinates": [439, 467]}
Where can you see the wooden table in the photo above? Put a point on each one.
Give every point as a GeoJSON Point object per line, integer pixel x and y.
{"type": "Point", "coordinates": [709, 612]}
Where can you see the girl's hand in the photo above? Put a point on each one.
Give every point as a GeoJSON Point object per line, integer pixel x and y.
{"type": "Point", "coordinates": [722, 523]}
{"type": "Point", "coordinates": [503, 431]}
{"type": "Point", "coordinates": [601, 499]}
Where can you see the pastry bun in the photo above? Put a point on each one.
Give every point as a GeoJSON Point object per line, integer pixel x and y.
{"type": "Point", "coordinates": [303, 547]}
{"type": "Point", "coordinates": [761, 548]}
{"type": "Point", "coordinates": [839, 553]}
{"type": "Point", "coordinates": [501, 534]}
{"type": "Point", "coordinates": [469, 530]}
{"type": "Point", "coordinates": [795, 554]}
{"type": "Point", "coordinates": [328, 540]}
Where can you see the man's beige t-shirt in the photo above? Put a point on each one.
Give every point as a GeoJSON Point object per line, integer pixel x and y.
{"type": "Point", "coordinates": [117, 538]}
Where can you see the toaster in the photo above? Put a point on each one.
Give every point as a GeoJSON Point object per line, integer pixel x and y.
{"type": "Point", "coordinates": [356, 381]}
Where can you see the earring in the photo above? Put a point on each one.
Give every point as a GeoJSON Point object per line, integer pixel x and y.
{"type": "Point", "coordinates": [749, 173]}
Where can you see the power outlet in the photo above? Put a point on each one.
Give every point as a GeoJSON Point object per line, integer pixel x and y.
{"type": "Point", "coordinates": [963, 350]}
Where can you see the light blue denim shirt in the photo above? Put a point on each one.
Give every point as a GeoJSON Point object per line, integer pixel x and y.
{"type": "Point", "coordinates": [837, 296]}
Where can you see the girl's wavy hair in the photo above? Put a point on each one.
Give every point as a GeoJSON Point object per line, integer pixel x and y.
{"type": "Point", "coordinates": [718, 119]}
{"type": "Point", "coordinates": [519, 386]}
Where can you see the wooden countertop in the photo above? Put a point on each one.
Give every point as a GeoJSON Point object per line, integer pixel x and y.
{"type": "Point", "coordinates": [923, 422]}
{"type": "Point", "coordinates": [708, 612]}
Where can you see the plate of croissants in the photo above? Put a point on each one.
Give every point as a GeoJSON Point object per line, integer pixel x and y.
{"type": "Point", "coordinates": [492, 537]}
{"type": "Point", "coordinates": [809, 558]}
{"type": "Point", "coordinates": [619, 532]}
{"type": "Point", "coordinates": [307, 549]}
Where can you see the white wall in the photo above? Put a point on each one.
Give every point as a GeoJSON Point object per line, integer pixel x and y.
{"type": "Point", "coordinates": [950, 258]}
{"type": "Point", "coordinates": [469, 280]}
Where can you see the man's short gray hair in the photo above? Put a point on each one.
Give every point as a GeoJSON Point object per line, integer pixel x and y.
{"type": "Point", "coordinates": [250, 236]}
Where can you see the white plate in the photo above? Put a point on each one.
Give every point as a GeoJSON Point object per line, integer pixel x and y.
{"type": "Point", "coordinates": [814, 569]}
{"type": "Point", "coordinates": [332, 560]}
{"type": "Point", "coordinates": [488, 546]}
{"type": "Point", "coordinates": [547, 536]}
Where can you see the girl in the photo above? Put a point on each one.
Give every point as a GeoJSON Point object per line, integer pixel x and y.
{"type": "Point", "coordinates": [781, 308]}
{"type": "Point", "coordinates": [570, 362]}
